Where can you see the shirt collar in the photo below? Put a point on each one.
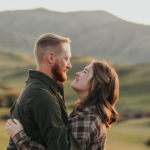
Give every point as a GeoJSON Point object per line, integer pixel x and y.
{"type": "Point", "coordinates": [87, 110]}
{"type": "Point", "coordinates": [46, 79]}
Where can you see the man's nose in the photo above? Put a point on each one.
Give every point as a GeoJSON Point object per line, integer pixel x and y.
{"type": "Point", "coordinates": [69, 65]}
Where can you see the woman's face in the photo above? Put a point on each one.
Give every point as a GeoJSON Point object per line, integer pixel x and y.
{"type": "Point", "coordinates": [81, 82]}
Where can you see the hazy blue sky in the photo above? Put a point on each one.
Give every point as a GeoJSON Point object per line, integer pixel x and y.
{"type": "Point", "coordinates": [131, 10]}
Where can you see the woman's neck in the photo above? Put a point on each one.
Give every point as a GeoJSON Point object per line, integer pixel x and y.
{"type": "Point", "coordinates": [82, 95]}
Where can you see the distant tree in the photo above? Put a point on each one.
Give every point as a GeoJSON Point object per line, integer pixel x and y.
{"type": "Point", "coordinates": [5, 116]}
{"type": "Point", "coordinates": [12, 97]}
{"type": "Point", "coordinates": [148, 142]}
{"type": "Point", "coordinates": [7, 99]}
{"type": "Point", "coordinates": [3, 101]}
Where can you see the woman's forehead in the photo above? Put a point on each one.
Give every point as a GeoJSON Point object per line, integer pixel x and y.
{"type": "Point", "coordinates": [89, 67]}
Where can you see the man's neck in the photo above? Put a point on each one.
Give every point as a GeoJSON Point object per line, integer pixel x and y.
{"type": "Point", "coordinates": [45, 71]}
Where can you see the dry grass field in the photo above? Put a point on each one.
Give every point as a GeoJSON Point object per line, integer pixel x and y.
{"type": "Point", "coordinates": [129, 135]}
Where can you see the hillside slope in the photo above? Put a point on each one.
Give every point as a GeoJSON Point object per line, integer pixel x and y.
{"type": "Point", "coordinates": [95, 33]}
{"type": "Point", "coordinates": [134, 80]}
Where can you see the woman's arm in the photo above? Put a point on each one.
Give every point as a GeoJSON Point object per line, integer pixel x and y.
{"type": "Point", "coordinates": [20, 138]}
{"type": "Point", "coordinates": [23, 142]}
{"type": "Point", "coordinates": [83, 128]}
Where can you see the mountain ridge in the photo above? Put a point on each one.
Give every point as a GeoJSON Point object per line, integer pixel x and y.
{"type": "Point", "coordinates": [96, 34]}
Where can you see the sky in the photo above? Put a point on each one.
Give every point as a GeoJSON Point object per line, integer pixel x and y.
{"type": "Point", "coordinates": [137, 11]}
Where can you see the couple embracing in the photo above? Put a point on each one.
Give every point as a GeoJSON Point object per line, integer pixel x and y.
{"type": "Point", "coordinates": [39, 118]}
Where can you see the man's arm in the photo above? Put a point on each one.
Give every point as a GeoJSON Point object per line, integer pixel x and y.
{"type": "Point", "coordinates": [47, 115]}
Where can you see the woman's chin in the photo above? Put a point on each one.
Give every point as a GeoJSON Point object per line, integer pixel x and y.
{"type": "Point", "coordinates": [73, 85]}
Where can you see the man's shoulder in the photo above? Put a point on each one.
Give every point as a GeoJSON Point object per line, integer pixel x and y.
{"type": "Point", "coordinates": [36, 91]}
{"type": "Point", "coordinates": [36, 84]}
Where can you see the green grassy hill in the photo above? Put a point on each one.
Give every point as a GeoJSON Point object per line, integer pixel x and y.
{"type": "Point", "coordinates": [13, 73]}
{"type": "Point", "coordinates": [16, 42]}
{"type": "Point", "coordinates": [129, 135]}
{"type": "Point", "coordinates": [134, 80]}
{"type": "Point", "coordinates": [134, 87]}
{"type": "Point", "coordinates": [14, 65]}
{"type": "Point", "coordinates": [134, 96]}
{"type": "Point", "coordinates": [96, 34]}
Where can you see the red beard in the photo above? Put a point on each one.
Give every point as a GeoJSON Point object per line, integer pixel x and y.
{"type": "Point", "coordinates": [58, 73]}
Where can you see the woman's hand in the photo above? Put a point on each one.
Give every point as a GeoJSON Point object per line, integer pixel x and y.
{"type": "Point", "coordinates": [13, 127]}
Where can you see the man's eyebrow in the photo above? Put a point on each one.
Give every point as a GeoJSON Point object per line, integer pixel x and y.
{"type": "Point", "coordinates": [86, 69]}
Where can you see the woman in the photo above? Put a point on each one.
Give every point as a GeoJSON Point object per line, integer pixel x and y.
{"type": "Point", "coordinates": [97, 87]}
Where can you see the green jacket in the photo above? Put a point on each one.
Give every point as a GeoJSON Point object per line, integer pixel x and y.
{"type": "Point", "coordinates": [41, 109]}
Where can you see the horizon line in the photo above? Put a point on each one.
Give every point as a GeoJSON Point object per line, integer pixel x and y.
{"type": "Point", "coordinates": [146, 24]}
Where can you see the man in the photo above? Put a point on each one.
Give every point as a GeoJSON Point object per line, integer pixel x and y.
{"type": "Point", "coordinates": [41, 105]}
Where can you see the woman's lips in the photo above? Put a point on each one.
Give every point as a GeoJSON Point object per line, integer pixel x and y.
{"type": "Point", "coordinates": [76, 79]}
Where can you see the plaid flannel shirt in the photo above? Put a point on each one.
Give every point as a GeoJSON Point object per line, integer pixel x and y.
{"type": "Point", "coordinates": [85, 126]}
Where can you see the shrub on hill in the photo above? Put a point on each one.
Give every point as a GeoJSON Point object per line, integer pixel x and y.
{"type": "Point", "coordinates": [5, 116]}
{"type": "Point", "coordinates": [8, 98]}
{"type": "Point", "coordinates": [148, 142]}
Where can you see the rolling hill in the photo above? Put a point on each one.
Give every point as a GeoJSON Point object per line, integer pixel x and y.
{"type": "Point", "coordinates": [134, 81]}
{"type": "Point", "coordinates": [134, 96]}
{"type": "Point", "coordinates": [96, 34]}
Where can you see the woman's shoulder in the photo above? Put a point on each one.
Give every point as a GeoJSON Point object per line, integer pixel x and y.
{"type": "Point", "coordinates": [92, 114]}
{"type": "Point", "coordinates": [87, 124]}
{"type": "Point", "coordinates": [88, 115]}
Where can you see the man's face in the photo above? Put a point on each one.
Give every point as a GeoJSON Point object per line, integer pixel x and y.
{"type": "Point", "coordinates": [62, 64]}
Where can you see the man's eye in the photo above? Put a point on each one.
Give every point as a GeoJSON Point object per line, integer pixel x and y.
{"type": "Point", "coordinates": [84, 72]}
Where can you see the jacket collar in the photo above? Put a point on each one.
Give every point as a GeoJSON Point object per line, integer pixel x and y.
{"type": "Point", "coordinates": [46, 79]}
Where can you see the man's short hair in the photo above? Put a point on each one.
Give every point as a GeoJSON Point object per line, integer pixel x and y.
{"type": "Point", "coordinates": [49, 43]}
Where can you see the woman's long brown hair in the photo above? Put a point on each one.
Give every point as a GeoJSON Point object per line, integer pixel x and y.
{"type": "Point", "coordinates": [103, 92]}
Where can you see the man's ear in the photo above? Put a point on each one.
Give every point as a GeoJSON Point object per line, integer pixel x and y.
{"type": "Point", "coordinates": [50, 58]}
